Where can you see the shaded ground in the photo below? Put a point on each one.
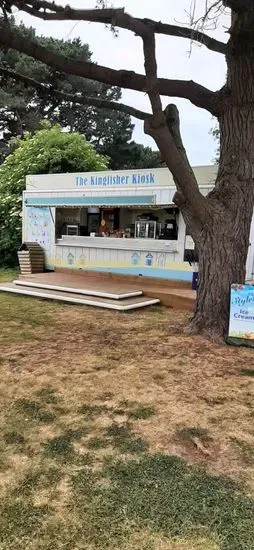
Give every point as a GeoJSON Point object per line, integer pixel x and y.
{"type": "Point", "coordinates": [118, 431]}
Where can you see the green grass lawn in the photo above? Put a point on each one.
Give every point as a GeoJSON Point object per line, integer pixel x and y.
{"type": "Point", "coordinates": [120, 432]}
{"type": "Point", "coordinates": [8, 274]}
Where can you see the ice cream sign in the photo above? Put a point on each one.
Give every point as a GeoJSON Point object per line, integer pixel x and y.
{"type": "Point", "coordinates": [241, 321]}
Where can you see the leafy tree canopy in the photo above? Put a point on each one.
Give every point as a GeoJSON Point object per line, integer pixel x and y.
{"type": "Point", "coordinates": [49, 150]}
{"type": "Point", "coordinates": [125, 156]}
{"type": "Point", "coordinates": [23, 107]}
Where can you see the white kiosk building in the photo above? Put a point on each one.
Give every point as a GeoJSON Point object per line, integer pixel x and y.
{"type": "Point", "coordinates": [121, 222]}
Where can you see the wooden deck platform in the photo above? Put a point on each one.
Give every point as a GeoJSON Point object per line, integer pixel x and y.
{"type": "Point", "coordinates": [176, 295]}
{"type": "Point", "coordinates": [70, 283]}
{"type": "Point", "coordinates": [75, 297]}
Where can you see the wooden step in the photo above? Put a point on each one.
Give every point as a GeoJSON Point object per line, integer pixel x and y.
{"type": "Point", "coordinates": [92, 291]}
{"type": "Point", "coordinates": [74, 298]}
{"type": "Point", "coordinates": [177, 298]}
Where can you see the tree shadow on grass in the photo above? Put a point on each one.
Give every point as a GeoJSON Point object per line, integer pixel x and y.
{"type": "Point", "coordinates": [20, 519]}
{"type": "Point", "coordinates": [161, 495]}
{"type": "Point", "coordinates": [164, 494]}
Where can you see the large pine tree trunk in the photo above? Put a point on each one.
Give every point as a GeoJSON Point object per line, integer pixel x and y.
{"type": "Point", "coordinates": [222, 259]}
{"type": "Point", "coordinates": [224, 241]}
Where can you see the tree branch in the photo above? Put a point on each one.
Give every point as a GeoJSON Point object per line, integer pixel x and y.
{"type": "Point", "coordinates": [117, 18]}
{"type": "Point", "coordinates": [173, 123]}
{"type": "Point", "coordinates": [153, 89]}
{"type": "Point", "coordinates": [166, 134]}
{"type": "Point", "coordinates": [179, 167]}
{"type": "Point", "coordinates": [74, 98]}
{"type": "Point", "coordinates": [197, 94]}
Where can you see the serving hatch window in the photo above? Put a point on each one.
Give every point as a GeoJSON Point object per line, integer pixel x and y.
{"type": "Point", "coordinates": [122, 222]}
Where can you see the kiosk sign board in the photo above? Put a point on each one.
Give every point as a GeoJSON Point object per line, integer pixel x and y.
{"type": "Point", "coordinates": [241, 321]}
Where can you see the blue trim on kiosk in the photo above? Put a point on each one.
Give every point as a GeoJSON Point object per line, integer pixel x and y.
{"type": "Point", "coordinates": [91, 201]}
{"type": "Point", "coordinates": [176, 274]}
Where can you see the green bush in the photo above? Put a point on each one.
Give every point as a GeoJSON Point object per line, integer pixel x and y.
{"type": "Point", "coordinates": [49, 150]}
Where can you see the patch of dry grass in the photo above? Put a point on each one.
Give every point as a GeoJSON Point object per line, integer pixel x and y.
{"type": "Point", "coordinates": [131, 383]}
{"type": "Point", "coordinates": [149, 541]}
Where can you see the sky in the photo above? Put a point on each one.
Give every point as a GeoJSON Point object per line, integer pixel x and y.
{"type": "Point", "coordinates": [173, 59]}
